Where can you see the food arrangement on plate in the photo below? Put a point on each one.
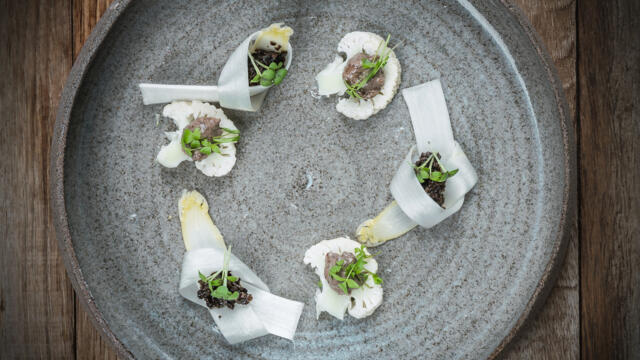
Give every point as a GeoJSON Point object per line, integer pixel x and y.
{"type": "Point", "coordinates": [429, 185]}
{"type": "Point", "coordinates": [328, 189]}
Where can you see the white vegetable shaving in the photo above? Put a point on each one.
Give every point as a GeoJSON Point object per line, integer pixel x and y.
{"type": "Point", "coordinates": [233, 90]}
{"type": "Point", "coordinates": [182, 113]}
{"type": "Point", "coordinates": [412, 205]}
{"type": "Point", "coordinates": [361, 302]}
{"type": "Point", "coordinates": [265, 314]}
{"type": "Point", "coordinates": [330, 80]}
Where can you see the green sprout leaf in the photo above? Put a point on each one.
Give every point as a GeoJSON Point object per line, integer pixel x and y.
{"type": "Point", "coordinates": [343, 286]}
{"type": "Point", "coordinates": [368, 64]}
{"type": "Point", "coordinates": [187, 135]}
{"type": "Point", "coordinates": [268, 74]}
{"type": "Point", "coordinates": [202, 277]}
{"type": "Point", "coordinates": [376, 279]}
{"type": "Point", "coordinates": [265, 82]}
{"type": "Point", "coordinates": [196, 134]}
{"type": "Point", "coordinates": [280, 75]}
{"type": "Point", "coordinates": [231, 131]}
{"type": "Point", "coordinates": [352, 284]}
{"type": "Point", "coordinates": [221, 140]}
{"type": "Point", "coordinates": [335, 268]}
{"type": "Point", "coordinates": [187, 150]}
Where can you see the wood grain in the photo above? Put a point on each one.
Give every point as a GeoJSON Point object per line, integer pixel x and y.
{"type": "Point", "coordinates": [36, 298]}
{"type": "Point", "coordinates": [609, 88]}
{"type": "Point", "coordinates": [86, 14]}
{"type": "Point", "coordinates": [89, 343]}
{"type": "Point", "coordinates": [555, 330]}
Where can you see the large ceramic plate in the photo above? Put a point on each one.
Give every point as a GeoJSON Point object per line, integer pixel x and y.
{"type": "Point", "coordinates": [459, 290]}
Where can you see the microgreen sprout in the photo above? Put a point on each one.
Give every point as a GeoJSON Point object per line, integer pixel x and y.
{"type": "Point", "coordinates": [192, 141]}
{"type": "Point", "coordinates": [218, 282]}
{"type": "Point", "coordinates": [425, 171]}
{"type": "Point", "coordinates": [355, 274]}
{"type": "Point", "coordinates": [380, 60]}
{"type": "Point", "coordinates": [273, 74]}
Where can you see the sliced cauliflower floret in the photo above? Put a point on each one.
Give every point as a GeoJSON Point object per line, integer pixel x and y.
{"type": "Point", "coordinates": [182, 113]}
{"type": "Point", "coordinates": [362, 301]}
{"type": "Point", "coordinates": [330, 80]}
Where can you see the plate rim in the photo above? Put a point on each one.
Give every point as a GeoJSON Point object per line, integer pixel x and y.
{"type": "Point", "coordinates": [57, 195]}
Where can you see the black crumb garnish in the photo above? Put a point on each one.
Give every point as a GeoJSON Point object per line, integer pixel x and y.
{"type": "Point", "coordinates": [233, 286]}
{"type": "Point", "coordinates": [432, 175]}
{"type": "Point", "coordinates": [266, 67]}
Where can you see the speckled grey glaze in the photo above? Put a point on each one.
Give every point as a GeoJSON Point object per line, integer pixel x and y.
{"type": "Point", "coordinates": [461, 290]}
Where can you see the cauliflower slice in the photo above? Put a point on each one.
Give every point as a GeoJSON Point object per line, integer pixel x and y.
{"type": "Point", "coordinates": [330, 80]}
{"type": "Point", "coordinates": [182, 113]}
{"type": "Point", "coordinates": [362, 302]}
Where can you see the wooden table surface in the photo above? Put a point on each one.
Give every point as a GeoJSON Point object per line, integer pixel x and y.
{"type": "Point", "coordinates": [594, 310]}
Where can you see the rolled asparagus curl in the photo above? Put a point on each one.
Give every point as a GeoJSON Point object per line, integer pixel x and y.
{"type": "Point", "coordinates": [233, 90]}
{"type": "Point", "coordinates": [265, 314]}
{"type": "Point", "coordinates": [412, 205]}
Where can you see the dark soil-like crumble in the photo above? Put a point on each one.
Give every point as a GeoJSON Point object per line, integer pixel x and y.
{"type": "Point", "coordinates": [244, 297]}
{"type": "Point", "coordinates": [433, 188]}
{"type": "Point", "coordinates": [266, 57]}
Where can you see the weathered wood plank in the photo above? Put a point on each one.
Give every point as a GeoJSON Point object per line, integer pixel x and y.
{"type": "Point", "coordinates": [36, 297]}
{"type": "Point", "coordinates": [555, 332]}
{"type": "Point", "coordinates": [609, 88]}
{"type": "Point", "coordinates": [86, 14]}
{"type": "Point", "coordinates": [90, 345]}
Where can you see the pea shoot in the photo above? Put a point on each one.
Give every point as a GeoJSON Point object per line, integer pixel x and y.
{"type": "Point", "coordinates": [272, 74]}
{"type": "Point", "coordinates": [355, 274]}
{"type": "Point", "coordinates": [218, 282]}
{"type": "Point", "coordinates": [192, 141]}
{"type": "Point", "coordinates": [425, 171]}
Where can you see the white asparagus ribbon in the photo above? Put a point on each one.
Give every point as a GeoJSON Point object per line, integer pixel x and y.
{"type": "Point", "coordinates": [412, 205]}
{"type": "Point", "coordinates": [233, 90]}
{"type": "Point", "coordinates": [265, 314]}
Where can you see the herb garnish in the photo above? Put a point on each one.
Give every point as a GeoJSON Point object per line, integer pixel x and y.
{"type": "Point", "coordinates": [273, 74]}
{"type": "Point", "coordinates": [424, 172]}
{"type": "Point", "coordinates": [355, 273]}
{"type": "Point", "coordinates": [219, 280]}
{"type": "Point", "coordinates": [381, 58]}
{"type": "Point", "coordinates": [191, 141]}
